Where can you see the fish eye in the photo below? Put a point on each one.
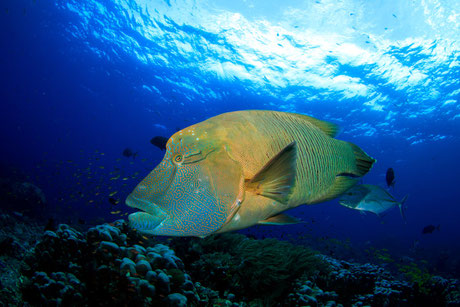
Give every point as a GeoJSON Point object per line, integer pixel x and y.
{"type": "Point", "coordinates": [177, 158]}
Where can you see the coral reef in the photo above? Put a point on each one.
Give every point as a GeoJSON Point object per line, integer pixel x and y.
{"type": "Point", "coordinates": [22, 197]}
{"type": "Point", "coordinates": [106, 267]}
{"type": "Point", "coordinates": [353, 284]}
{"type": "Point", "coordinates": [112, 265]}
{"type": "Point", "coordinates": [18, 235]}
{"type": "Point", "coordinates": [252, 269]}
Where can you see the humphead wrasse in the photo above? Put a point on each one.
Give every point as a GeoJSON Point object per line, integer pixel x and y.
{"type": "Point", "coordinates": [244, 168]}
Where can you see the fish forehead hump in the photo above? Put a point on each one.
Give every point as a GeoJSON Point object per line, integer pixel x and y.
{"type": "Point", "coordinates": [204, 186]}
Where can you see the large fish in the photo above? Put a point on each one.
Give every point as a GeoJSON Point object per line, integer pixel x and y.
{"type": "Point", "coordinates": [243, 168]}
{"type": "Point", "coordinates": [371, 198]}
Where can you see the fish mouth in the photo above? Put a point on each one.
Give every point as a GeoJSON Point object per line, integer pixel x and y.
{"type": "Point", "coordinates": [144, 222]}
{"type": "Point", "coordinates": [149, 218]}
{"type": "Point", "coordinates": [135, 202]}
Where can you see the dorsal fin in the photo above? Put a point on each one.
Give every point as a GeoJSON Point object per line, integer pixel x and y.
{"type": "Point", "coordinates": [276, 179]}
{"type": "Point", "coordinates": [328, 128]}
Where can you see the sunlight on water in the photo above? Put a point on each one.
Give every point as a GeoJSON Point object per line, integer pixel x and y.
{"type": "Point", "coordinates": [400, 60]}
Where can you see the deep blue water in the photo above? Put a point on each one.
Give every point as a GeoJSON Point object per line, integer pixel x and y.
{"type": "Point", "coordinates": [83, 80]}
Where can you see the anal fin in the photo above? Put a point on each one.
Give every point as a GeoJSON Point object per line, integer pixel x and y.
{"type": "Point", "coordinates": [280, 219]}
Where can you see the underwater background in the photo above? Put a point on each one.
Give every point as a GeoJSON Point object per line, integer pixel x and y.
{"type": "Point", "coordinates": [85, 86]}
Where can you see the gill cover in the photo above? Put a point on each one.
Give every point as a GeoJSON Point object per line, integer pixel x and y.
{"type": "Point", "coordinates": [192, 192]}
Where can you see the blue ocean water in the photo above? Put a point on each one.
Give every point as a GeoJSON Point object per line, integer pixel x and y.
{"type": "Point", "coordinates": [83, 80]}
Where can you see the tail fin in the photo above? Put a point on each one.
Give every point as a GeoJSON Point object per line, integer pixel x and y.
{"type": "Point", "coordinates": [347, 179]}
{"type": "Point", "coordinates": [391, 187]}
{"type": "Point", "coordinates": [402, 209]}
{"type": "Point", "coordinates": [363, 161]}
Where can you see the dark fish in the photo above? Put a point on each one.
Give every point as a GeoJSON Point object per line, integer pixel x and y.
{"type": "Point", "coordinates": [159, 141]}
{"type": "Point", "coordinates": [113, 201]}
{"type": "Point", "coordinates": [129, 153]}
{"type": "Point", "coordinates": [390, 177]}
{"type": "Point", "coordinates": [429, 229]}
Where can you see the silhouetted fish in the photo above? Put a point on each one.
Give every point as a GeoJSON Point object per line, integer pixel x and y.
{"type": "Point", "coordinates": [113, 201]}
{"type": "Point", "coordinates": [129, 153]}
{"type": "Point", "coordinates": [390, 177]}
{"type": "Point", "coordinates": [159, 141]}
{"type": "Point", "coordinates": [429, 229]}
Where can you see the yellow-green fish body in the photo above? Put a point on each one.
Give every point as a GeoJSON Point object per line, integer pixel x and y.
{"type": "Point", "coordinates": [242, 168]}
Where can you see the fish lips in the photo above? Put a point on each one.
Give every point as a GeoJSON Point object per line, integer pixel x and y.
{"type": "Point", "coordinates": [147, 220]}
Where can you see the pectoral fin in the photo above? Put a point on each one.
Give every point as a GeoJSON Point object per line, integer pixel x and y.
{"type": "Point", "coordinates": [276, 179]}
{"type": "Point", "coordinates": [280, 219]}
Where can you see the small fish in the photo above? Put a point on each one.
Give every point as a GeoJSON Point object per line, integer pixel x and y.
{"type": "Point", "coordinates": [390, 177]}
{"type": "Point", "coordinates": [159, 141]}
{"type": "Point", "coordinates": [113, 193]}
{"type": "Point", "coordinates": [129, 153]}
{"type": "Point", "coordinates": [159, 126]}
{"type": "Point", "coordinates": [429, 229]}
{"type": "Point", "coordinates": [239, 169]}
{"type": "Point", "coordinates": [372, 198]}
{"type": "Point", "coordinates": [113, 201]}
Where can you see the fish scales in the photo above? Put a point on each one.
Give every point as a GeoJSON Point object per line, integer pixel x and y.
{"type": "Point", "coordinates": [320, 157]}
{"type": "Point", "coordinates": [182, 209]}
{"type": "Point", "coordinates": [242, 168]}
